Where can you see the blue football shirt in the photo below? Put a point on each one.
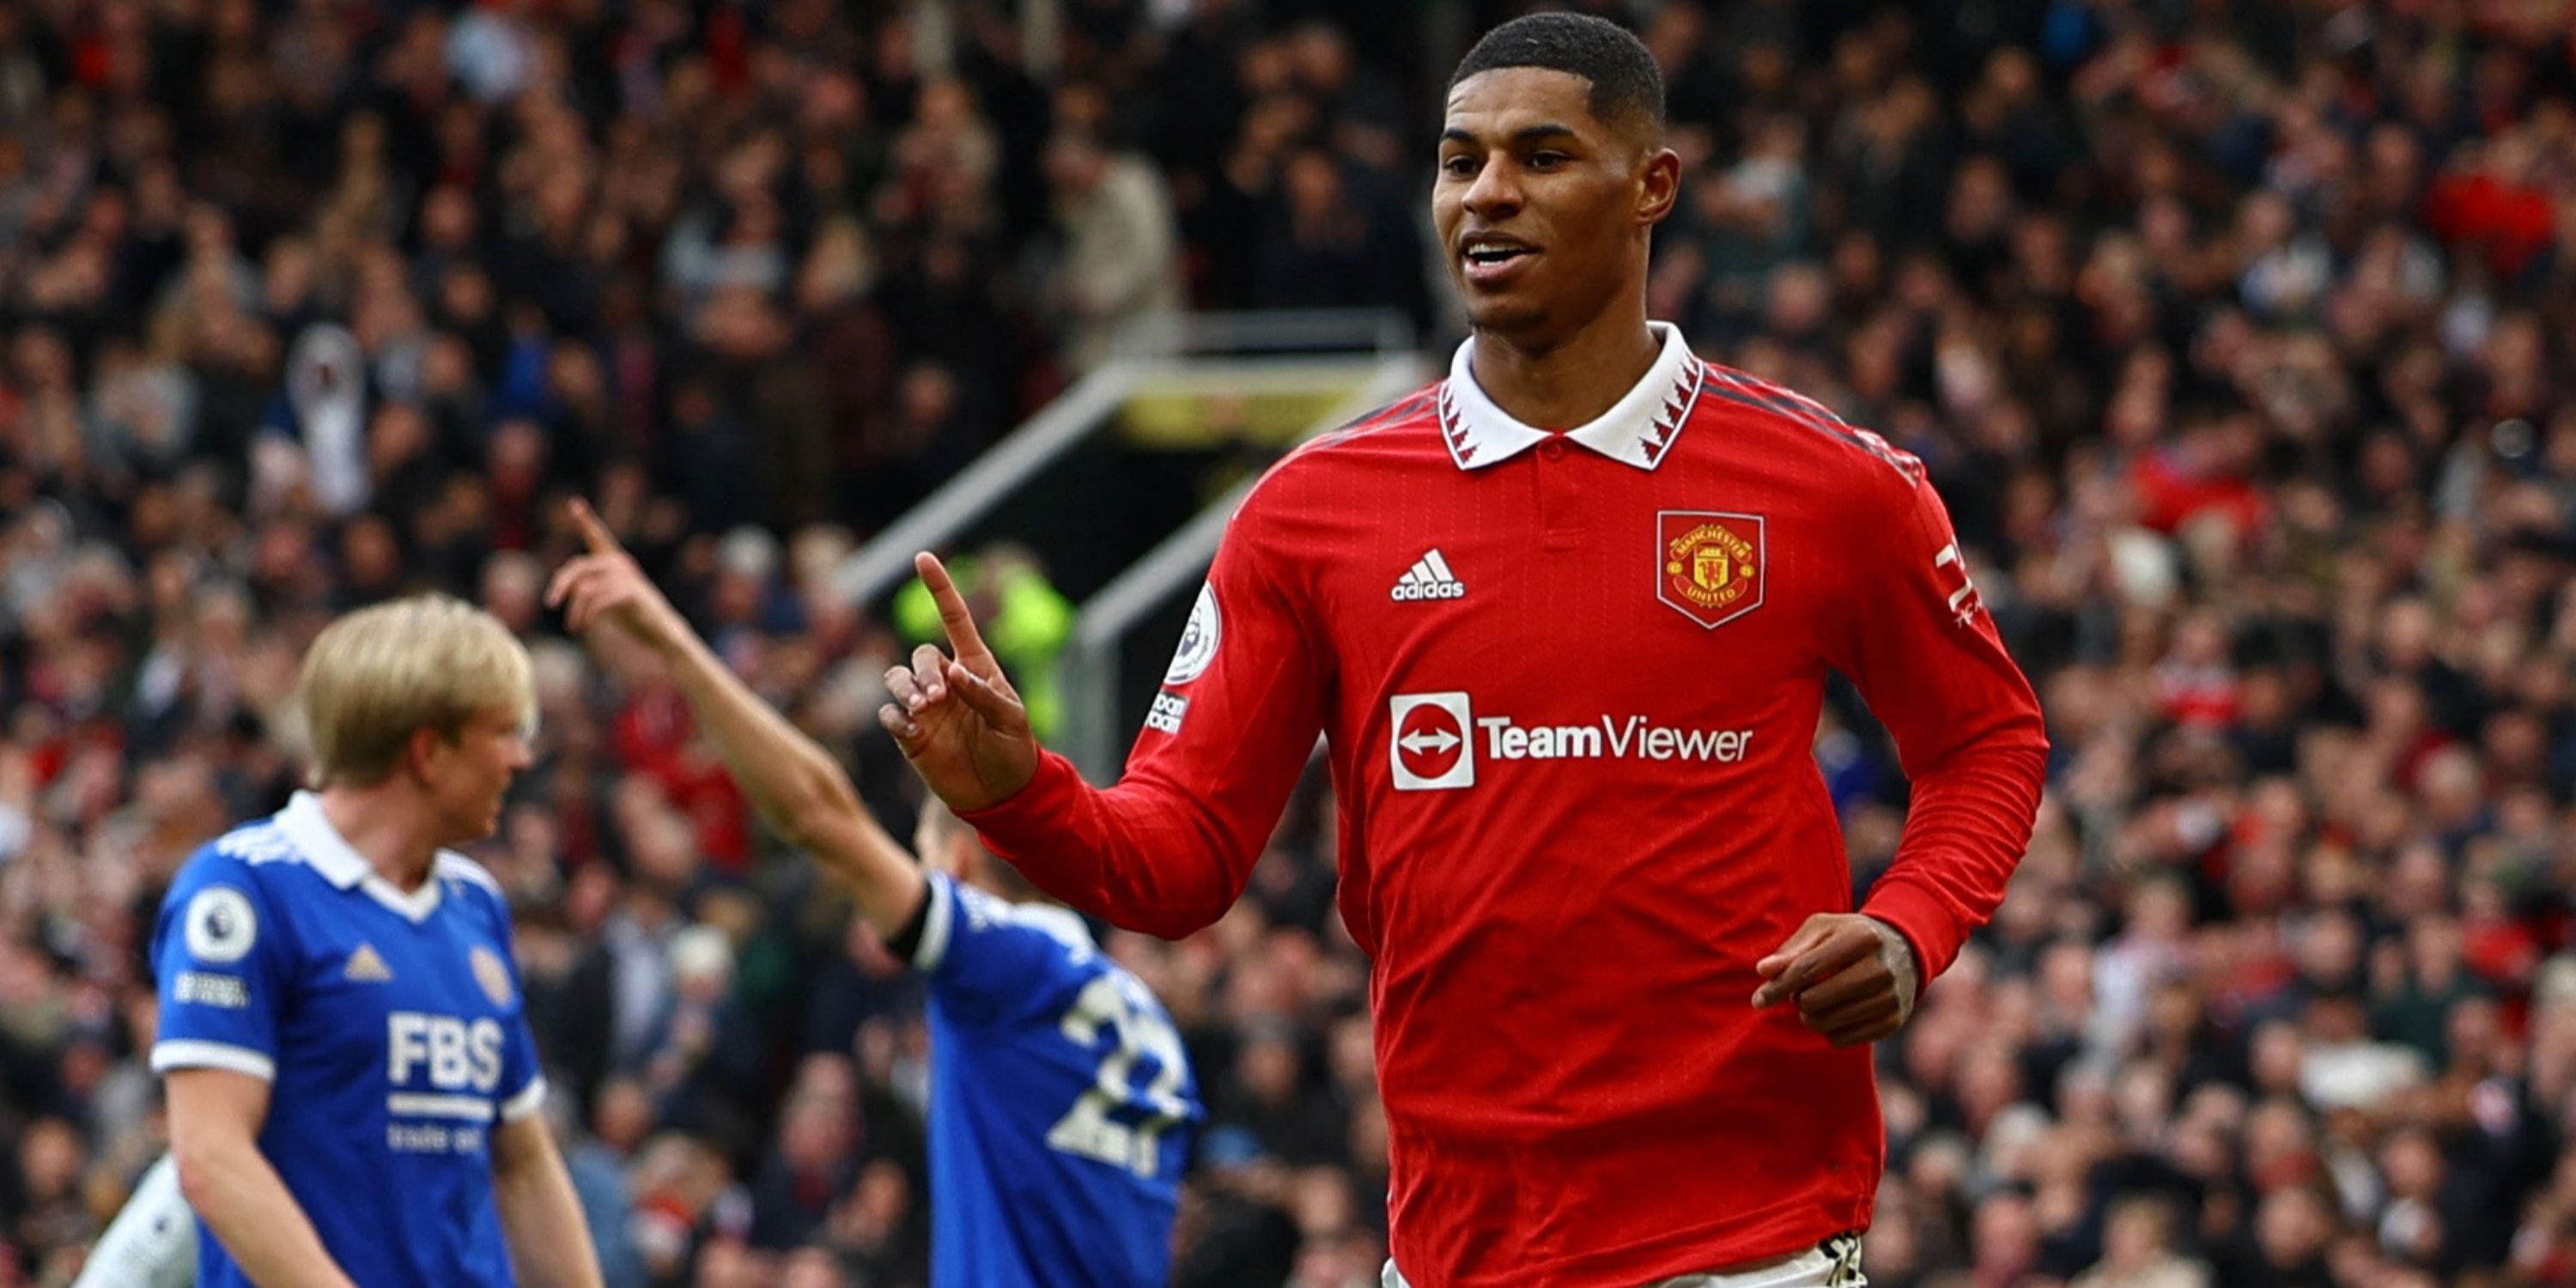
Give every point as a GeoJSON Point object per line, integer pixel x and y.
{"type": "Point", "coordinates": [1061, 1104]}
{"type": "Point", "coordinates": [388, 1024]}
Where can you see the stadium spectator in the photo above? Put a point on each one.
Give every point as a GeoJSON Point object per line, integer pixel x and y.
{"type": "Point", "coordinates": [1119, 276]}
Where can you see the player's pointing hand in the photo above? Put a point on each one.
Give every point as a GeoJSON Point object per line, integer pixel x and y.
{"type": "Point", "coordinates": [605, 585]}
{"type": "Point", "coordinates": [1853, 976]}
{"type": "Point", "coordinates": [957, 718]}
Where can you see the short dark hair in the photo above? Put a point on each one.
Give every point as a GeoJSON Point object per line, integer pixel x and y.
{"type": "Point", "coordinates": [1626, 84]}
{"type": "Point", "coordinates": [941, 826]}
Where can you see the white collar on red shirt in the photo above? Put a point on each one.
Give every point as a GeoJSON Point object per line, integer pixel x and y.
{"type": "Point", "coordinates": [1637, 429]}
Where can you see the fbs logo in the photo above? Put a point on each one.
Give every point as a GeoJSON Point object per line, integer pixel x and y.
{"type": "Point", "coordinates": [1428, 744]}
{"type": "Point", "coordinates": [458, 1055]}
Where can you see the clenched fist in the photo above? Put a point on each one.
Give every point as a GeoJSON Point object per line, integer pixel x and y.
{"type": "Point", "coordinates": [1854, 977]}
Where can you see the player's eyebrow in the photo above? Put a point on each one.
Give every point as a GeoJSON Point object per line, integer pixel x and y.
{"type": "Point", "coordinates": [1526, 135]}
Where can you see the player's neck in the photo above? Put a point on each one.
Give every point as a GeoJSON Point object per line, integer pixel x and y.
{"type": "Point", "coordinates": [387, 829]}
{"type": "Point", "coordinates": [1571, 383]}
{"type": "Point", "coordinates": [1004, 887]}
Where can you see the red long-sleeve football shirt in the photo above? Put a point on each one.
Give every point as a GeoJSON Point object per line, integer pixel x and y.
{"type": "Point", "coordinates": [1569, 684]}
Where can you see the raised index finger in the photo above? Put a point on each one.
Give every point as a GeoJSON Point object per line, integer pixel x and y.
{"type": "Point", "coordinates": [965, 643]}
{"type": "Point", "coordinates": [594, 533]}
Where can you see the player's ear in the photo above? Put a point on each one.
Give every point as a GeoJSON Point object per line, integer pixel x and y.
{"type": "Point", "coordinates": [420, 751]}
{"type": "Point", "coordinates": [1659, 185]}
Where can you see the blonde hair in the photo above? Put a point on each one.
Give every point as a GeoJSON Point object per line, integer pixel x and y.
{"type": "Point", "coordinates": [377, 676]}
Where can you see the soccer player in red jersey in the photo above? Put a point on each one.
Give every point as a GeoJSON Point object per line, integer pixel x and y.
{"type": "Point", "coordinates": [1565, 619]}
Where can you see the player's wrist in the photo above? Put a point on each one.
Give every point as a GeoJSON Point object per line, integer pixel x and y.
{"type": "Point", "coordinates": [1888, 933]}
{"type": "Point", "coordinates": [670, 639]}
{"type": "Point", "coordinates": [1023, 771]}
{"type": "Point", "coordinates": [660, 627]}
{"type": "Point", "coordinates": [1018, 781]}
{"type": "Point", "coordinates": [1897, 951]}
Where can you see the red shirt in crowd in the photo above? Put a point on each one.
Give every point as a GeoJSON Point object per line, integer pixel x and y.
{"type": "Point", "coordinates": [1569, 683]}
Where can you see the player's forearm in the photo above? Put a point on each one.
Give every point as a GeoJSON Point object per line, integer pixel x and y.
{"type": "Point", "coordinates": [1968, 826]}
{"type": "Point", "coordinates": [798, 787]}
{"type": "Point", "coordinates": [1142, 855]}
{"type": "Point", "coordinates": [252, 1213]}
{"type": "Point", "coordinates": [541, 1215]}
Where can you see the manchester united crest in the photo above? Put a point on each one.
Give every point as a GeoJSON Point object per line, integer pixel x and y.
{"type": "Point", "coordinates": [1708, 565]}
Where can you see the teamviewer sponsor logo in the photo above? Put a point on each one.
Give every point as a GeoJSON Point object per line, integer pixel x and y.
{"type": "Point", "coordinates": [1635, 738]}
{"type": "Point", "coordinates": [1428, 748]}
{"type": "Point", "coordinates": [1436, 739]}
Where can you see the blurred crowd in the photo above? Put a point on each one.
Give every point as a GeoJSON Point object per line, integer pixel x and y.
{"type": "Point", "coordinates": [2239, 339]}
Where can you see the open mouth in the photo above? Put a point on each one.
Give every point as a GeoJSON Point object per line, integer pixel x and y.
{"type": "Point", "coordinates": [1489, 261]}
{"type": "Point", "coordinates": [1491, 254]}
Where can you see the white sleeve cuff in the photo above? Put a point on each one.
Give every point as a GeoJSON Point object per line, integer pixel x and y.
{"type": "Point", "coordinates": [190, 1053]}
{"type": "Point", "coordinates": [935, 925]}
{"type": "Point", "coordinates": [526, 1102]}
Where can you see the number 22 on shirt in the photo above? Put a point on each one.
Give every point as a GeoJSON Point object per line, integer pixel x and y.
{"type": "Point", "coordinates": [1087, 1129]}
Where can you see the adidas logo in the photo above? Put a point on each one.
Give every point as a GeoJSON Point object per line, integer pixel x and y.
{"type": "Point", "coordinates": [367, 966]}
{"type": "Point", "coordinates": [1428, 578]}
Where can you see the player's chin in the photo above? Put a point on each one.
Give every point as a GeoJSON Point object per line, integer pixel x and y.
{"type": "Point", "coordinates": [485, 823]}
{"type": "Point", "coordinates": [1505, 312]}
{"type": "Point", "coordinates": [471, 831]}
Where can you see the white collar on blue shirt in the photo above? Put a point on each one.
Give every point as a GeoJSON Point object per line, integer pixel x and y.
{"type": "Point", "coordinates": [323, 848]}
{"type": "Point", "coordinates": [1063, 923]}
{"type": "Point", "coordinates": [1637, 429]}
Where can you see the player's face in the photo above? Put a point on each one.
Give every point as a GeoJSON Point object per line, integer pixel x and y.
{"type": "Point", "coordinates": [1540, 205]}
{"type": "Point", "coordinates": [942, 851]}
{"type": "Point", "coordinates": [926, 844]}
{"type": "Point", "coordinates": [468, 776]}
